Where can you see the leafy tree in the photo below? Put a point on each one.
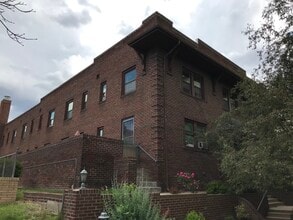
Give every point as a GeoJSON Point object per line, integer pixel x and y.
{"type": "Point", "coordinates": [255, 141]}
{"type": "Point", "coordinates": [12, 6]}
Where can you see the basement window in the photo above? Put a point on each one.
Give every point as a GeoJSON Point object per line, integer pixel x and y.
{"type": "Point", "coordinates": [100, 131]}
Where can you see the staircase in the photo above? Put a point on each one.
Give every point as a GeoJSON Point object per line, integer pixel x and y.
{"type": "Point", "coordinates": [278, 210]}
{"type": "Point", "coordinates": [143, 181]}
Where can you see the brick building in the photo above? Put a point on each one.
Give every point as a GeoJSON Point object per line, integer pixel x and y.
{"type": "Point", "coordinates": [156, 90]}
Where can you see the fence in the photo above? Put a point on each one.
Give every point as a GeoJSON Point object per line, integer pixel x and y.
{"type": "Point", "coordinates": [7, 165]}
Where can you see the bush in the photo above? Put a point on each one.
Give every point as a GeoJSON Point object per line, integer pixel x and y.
{"type": "Point", "coordinates": [128, 202]}
{"type": "Point", "coordinates": [187, 181]}
{"type": "Point", "coordinates": [193, 215]}
{"type": "Point", "coordinates": [241, 212]}
{"type": "Point", "coordinates": [217, 187]}
{"type": "Point", "coordinates": [18, 169]}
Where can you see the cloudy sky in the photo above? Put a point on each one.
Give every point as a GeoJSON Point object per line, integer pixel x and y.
{"type": "Point", "coordinates": [71, 33]}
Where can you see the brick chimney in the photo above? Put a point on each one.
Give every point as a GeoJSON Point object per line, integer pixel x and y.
{"type": "Point", "coordinates": [5, 109]}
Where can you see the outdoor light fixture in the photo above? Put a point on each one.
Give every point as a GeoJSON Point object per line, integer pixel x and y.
{"type": "Point", "coordinates": [104, 215]}
{"type": "Point", "coordinates": [83, 175]}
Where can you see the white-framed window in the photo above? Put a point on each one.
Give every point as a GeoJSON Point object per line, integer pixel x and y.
{"type": "Point", "coordinates": [128, 130]}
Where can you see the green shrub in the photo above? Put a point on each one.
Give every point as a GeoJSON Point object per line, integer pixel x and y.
{"type": "Point", "coordinates": [128, 202]}
{"type": "Point", "coordinates": [241, 212]}
{"type": "Point", "coordinates": [193, 215]}
{"type": "Point", "coordinates": [217, 187]}
{"type": "Point", "coordinates": [230, 217]}
{"type": "Point", "coordinates": [18, 169]}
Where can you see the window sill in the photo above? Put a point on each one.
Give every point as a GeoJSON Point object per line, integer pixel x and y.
{"type": "Point", "coordinates": [128, 94]}
{"type": "Point", "coordinates": [195, 149]}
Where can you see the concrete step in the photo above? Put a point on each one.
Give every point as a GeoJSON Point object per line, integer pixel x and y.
{"type": "Point", "coordinates": [278, 218]}
{"type": "Point", "coordinates": [278, 214]}
{"type": "Point", "coordinates": [275, 204]}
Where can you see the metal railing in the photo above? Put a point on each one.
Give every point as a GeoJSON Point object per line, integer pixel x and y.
{"type": "Point", "coordinates": [7, 165]}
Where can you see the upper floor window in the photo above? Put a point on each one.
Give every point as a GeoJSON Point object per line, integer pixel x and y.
{"type": "Point", "coordinates": [103, 91]}
{"type": "Point", "coordinates": [128, 130]}
{"type": "Point", "coordinates": [100, 131]}
{"type": "Point", "coordinates": [14, 133]}
{"type": "Point", "coordinates": [40, 122]}
{"type": "Point", "coordinates": [129, 81]}
{"type": "Point", "coordinates": [32, 126]}
{"type": "Point", "coordinates": [192, 84]}
{"type": "Point", "coordinates": [68, 109]}
{"type": "Point", "coordinates": [51, 118]}
{"type": "Point", "coordinates": [24, 130]}
{"type": "Point", "coordinates": [228, 101]}
{"type": "Point", "coordinates": [193, 133]}
{"type": "Point", "coordinates": [7, 139]}
{"type": "Point", "coordinates": [84, 100]}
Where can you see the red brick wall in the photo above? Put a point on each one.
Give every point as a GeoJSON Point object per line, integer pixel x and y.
{"type": "Point", "coordinates": [59, 165]}
{"type": "Point", "coordinates": [53, 166]}
{"type": "Point", "coordinates": [86, 204]}
{"type": "Point", "coordinates": [82, 204]}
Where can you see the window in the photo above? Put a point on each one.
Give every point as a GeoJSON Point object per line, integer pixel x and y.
{"type": "Point", "coordinates": [14, 133]}
{"type": "Point", "coordinates": [84, 100]}
{"type": "Point", "coordinates": [100, 131]}
{"type": "Point", "coordinates": [32, 126]}
{"type": "Point", "coordinates": [40, 122]}
{"type": "Point", "coordinates": [68, 109]}
{"type": "Point", "coordinates": [229, 103]}
{"type": "Point", "coordinates": [24, 130]}
{"type": "Point", "coordinates": [51, 118]}
{"type": "Point", "coordinates": [103, 91]}
{"type": "Point", "coordinates": [129, 81]}
{"type": "Point", "coordinates": [193, 133]}
{"type": "Point", "coordinates": [192, 84]}
{"type": "Point", "coordinates": [7, 139]}
{"type": "Point", "coordinates": [128, 130]}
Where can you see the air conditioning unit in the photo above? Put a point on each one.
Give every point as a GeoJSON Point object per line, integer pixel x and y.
{"type": "Point", "coordinates": [189, 145]}
{"type": "Point", "coordinates": [202, 145]}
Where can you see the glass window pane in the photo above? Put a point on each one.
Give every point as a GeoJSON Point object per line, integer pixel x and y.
{"type": "Point", "coordinates": [130, 87]}
{"type": "Point", "coordinates": [70, 106]}
{"type": "Point", "coordinates": [189, 140]}
{"type": "Point", "coordinates": [130, 76]}
{"type": "Point", "coordinates": [188, 126]}
{"type": "Point", "coordinates": [186, 77]}
{"type": "Point", "coordinates": [128, 131]}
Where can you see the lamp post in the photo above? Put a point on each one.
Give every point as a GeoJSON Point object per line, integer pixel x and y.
{"type": "Point", "coordinates": [83, 175]}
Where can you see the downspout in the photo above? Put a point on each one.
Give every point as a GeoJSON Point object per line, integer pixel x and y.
{"type": "Point", "coordinates": [164, 110]}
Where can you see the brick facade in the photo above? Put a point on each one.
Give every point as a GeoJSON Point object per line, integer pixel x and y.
{"type": "Point", "coordinates": [159, 107]}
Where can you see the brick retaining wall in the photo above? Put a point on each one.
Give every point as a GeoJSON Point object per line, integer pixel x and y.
{"type": "Point", "coordinates": [42, 197]}
{"type": "Point", "coordinates": [8, 188]}
{"type": "Point", "coordinates": [87, 204]}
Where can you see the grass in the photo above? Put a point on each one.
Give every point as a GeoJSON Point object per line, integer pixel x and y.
{"type": "Point", "coordinates": [25, 211]}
